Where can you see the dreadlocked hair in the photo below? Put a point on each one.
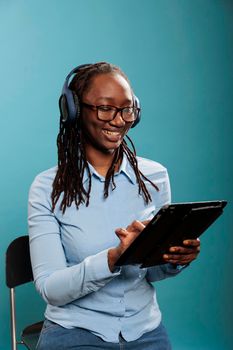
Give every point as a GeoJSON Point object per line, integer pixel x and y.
{"type": "Point", "coordinates": [72, 161]}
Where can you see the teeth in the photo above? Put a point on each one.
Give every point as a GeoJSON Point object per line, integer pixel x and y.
{"type": "Point", "coordinates": [111, 132]}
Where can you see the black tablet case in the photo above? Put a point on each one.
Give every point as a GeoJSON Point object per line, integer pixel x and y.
{"type": "Point", "coordinates": [169, 227]}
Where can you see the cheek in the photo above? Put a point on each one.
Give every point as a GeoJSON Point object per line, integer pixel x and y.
{"type": "Point", "coordinates": [127, 128]}
{"type": "Point", "coordinates": [89, 125]}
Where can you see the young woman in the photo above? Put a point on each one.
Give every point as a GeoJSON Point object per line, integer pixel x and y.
{"type": "Point", "coordinates": [85, 212]}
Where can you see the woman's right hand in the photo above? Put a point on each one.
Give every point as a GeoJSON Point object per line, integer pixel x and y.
{"type": "Point", "coordinates": [127, 236]}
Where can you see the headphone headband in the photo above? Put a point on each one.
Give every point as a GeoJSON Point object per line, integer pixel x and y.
{"type": "Point", "coordinates": [74, 71]}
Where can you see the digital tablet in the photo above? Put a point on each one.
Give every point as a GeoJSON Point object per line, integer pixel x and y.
{"type": "Point", "coordinates": [170, 227]}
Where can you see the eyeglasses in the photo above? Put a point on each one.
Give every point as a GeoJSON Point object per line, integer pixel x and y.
{"type": "Point", "coordinates": [108, 113]}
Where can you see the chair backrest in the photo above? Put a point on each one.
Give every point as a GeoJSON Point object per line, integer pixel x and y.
{"type": "Point", "coordinates": [18, 272]}
{"type": "Point", "coordinates": [18, 263]}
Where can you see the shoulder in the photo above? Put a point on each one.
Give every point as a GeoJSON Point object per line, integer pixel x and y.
{"type": "Point", "coordinates": [156, 173]}
{"type": "Point", "coordinates": [45, 177]}
{"type": "Point", "coordinates": [149, 167]}
{"type": "Point", "coordinates": [43, 181]}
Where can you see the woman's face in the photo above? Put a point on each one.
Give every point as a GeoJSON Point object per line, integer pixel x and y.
{"type": "Point", "coordinates": [106, 89]}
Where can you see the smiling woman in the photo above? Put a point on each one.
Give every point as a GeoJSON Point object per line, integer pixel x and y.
{"type": "Point", "coordinates": [75, 211]}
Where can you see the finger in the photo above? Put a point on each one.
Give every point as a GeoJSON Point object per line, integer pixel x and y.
{"type": "Point", "coordinates": [175, 256]}
{"type": "Point", "coordinates": [145, 222]}
{"type": "Point", "coordinates": [138, 225]}
{"type": "Point", "coordinates": [130, 228]}
{"type": "Point", "coordinates": [192, 242]}
{"type": "Point", "coordinates": [182, 250]}
{"type": "Point", "coordinates": [175, 262]}
{"type": "Point", "coordinates": [121, 232]}
{"type": "Point", "coordinates": [179, 259]}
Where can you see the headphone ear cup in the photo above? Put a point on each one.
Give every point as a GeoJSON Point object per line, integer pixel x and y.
{"type": "Point", "coordinates": [137, 105]}
{"type": "Point", "coordinates": [64, 114]}
{"type": "Point", "coordinates": [69, 103]}
{"type": "Point", "coordinates": [69, 107]}
{"type": "Point", "coordinates": [77, 104]}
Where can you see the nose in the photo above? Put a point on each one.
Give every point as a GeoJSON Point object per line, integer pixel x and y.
{"type": "Point", "coordinates": [117, 120]}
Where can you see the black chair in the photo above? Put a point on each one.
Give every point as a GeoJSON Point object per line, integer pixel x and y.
{"type": "Point", "coordinates": [18, 272]}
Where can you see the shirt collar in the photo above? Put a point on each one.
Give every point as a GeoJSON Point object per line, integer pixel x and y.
{"type": "Point", "coordinates": [125, 169]}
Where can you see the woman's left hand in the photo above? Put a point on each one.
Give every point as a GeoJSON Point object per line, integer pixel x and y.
{"type": "Point", "coordinates": [185, 254]}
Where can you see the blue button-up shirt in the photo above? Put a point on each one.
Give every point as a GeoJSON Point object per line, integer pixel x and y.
{"type": "Point", "coordinates": [69, 254]}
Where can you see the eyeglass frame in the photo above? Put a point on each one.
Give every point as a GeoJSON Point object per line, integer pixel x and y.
{"type": "Point", "coordinates": [117, 109]}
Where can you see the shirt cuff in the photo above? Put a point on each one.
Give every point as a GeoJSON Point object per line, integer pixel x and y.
{"type": "Point", "coordinates": [176, 268]}
{"type": "Point", "coordinates": [99, 268]}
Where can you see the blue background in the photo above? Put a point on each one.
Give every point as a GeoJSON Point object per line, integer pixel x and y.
{"type": "Point", "coordinates": [178, 55]}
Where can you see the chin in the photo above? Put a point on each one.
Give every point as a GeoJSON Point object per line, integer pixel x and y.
{"type": "Point", "coordinates": [109, 148]}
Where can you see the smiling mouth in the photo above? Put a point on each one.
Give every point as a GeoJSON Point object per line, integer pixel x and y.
{"type": "Point", "coordinates": [113, 133]}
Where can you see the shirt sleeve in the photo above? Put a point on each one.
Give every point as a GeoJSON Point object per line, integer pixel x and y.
{"type": "Point", "coordinates": [57, 282]}
{"type": "Point", "coordinates": [160, 272]}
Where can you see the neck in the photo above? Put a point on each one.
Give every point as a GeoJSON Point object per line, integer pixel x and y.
{"type": "Point", "coordinates": [100, 160]}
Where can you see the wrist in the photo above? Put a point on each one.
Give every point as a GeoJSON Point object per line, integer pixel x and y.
{"type": "Point", "coordinates": [113, 256]}
{"type": "Point", "coordinates": [179, 267]}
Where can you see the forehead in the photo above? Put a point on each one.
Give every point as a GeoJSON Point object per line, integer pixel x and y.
{"type": "Point", "coordinates": [109, 86]}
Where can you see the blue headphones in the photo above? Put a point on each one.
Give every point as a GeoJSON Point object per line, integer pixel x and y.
{"type": "Point", "coordinates": [69, 103]}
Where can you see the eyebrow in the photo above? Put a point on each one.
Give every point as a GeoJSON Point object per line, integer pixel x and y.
{"type": "Point", "coordinates": [111, 99]}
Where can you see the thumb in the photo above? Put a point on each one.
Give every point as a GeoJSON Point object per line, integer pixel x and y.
{"type": "Point", "coordinates": [121, 233]}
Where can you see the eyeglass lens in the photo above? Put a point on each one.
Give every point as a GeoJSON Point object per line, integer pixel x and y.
{"type": "Point", "coordinates": [109, 113]}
